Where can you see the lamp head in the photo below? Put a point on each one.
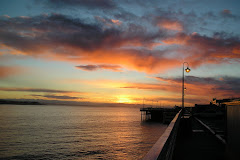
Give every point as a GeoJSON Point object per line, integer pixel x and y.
{"type": "Point", "coordinates": [188, 70]}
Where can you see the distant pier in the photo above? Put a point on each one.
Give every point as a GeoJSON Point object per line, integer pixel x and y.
{"type": "Point", "coordinates": [164, 115]}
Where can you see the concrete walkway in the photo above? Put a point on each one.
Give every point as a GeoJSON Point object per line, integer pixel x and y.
{"type": "Point", "coordinates": [195, 142]}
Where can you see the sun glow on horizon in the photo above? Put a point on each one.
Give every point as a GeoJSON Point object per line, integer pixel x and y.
{"type": "Point", "coordinates": [124, 99]}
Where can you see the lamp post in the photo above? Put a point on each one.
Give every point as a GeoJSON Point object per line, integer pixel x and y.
{"type": "Point", "coordinates": [183, 88]}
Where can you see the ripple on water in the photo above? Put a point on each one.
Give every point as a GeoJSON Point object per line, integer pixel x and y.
{"type": "Point", "coordinates": [78, 132]}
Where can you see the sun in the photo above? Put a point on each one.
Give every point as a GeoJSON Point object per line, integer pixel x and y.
{"type": "Point", "coordinates": [123, 99]}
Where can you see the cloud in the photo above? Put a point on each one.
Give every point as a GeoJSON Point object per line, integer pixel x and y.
{"type": "Point", "coordinates": [114, 68]}
{"type": "Point", "coordinates": [6, 71]}
{"type": "Point", "coordinates": [172, 87]}
{"type": "Point", "coordinates": [59, 97]}
{"type": "Point", "coordinates": [46, 31]}
{"type": "Point", "coordinates": [108, 22]}
{"type": "Point", "coordinates": [62, 38]}
{"type": "Point", "coordinates": [125, 15]}
{"type": "Point", "coordinates": [36, 90]}
{"type": "Point", "coordinates": [175, 88]}
{"type": "Point", "coordinates": [131, 46]}
{"type": "Point", "coordinates": [196, 86]}
{"type": "Point", "coordinates": [170, 25]}
{"type": "Point", "coordinates": [117, 22]}
{"type": "Point", "coordinates": [227, 14]}
{"type": "Point", "coordinates": [203, 49]}
{"type": "Point", "coordinates": [176, 19]}
{"type": "Point", "coordinates": [90, 4]}
{"type": "Point", "coordinates": [215, 86]}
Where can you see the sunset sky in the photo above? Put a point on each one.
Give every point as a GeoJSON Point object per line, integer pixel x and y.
{"type": "Point", "coordinates": [119, 51]}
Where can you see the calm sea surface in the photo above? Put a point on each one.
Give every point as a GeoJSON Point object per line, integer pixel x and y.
{"type": "Point", "coordinates": [75, 132]}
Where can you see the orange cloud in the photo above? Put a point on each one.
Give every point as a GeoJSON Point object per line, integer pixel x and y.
{"type": "Point", "coordinates": [210, 87]}
{"type": "Point", "coordinates": [170, 25]}
{"type": "Point", "coordinates": [128, 58]}
{"type": "Point", "coordinates": [117, 22]}
{"type": "Point", "coordinates": [108, 22]}
{"type": "Point", "coordinates": [226, 11]}
{"type": "Point", "coordinates": [236, 49]}
{"type": "Point", "coordinates": [131, 48]}
{"type": "Point", "coordinates": [6, 71]}
{"type": "Point", "coordinates": [222, 87]}
{"type": "Point", "coordinates": [202, 49]}
{"type": "Point", "coordinates": [227, 14]}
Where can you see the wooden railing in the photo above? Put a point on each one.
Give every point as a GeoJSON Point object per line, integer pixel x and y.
{"type": "Point", "coordinates": [164, 147]}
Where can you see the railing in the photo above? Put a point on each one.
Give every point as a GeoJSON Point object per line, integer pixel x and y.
{"type": "Point", "coordinates": [155, 108]}
{"type": "Point", "coordinates": [164, 147]}
{"type": "Point", "coordinates": [212, 131]}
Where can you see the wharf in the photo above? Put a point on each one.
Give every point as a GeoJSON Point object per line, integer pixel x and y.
{"type": "Point", "coordinates": [187, 138]}
{"type": "Point", "coordinates": [196, 141]}
{"type": "Point", "coordinates": [164, 115]}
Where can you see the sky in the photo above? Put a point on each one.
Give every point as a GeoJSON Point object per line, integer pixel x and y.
{"type": "Point", "coordinates": [119, 51]}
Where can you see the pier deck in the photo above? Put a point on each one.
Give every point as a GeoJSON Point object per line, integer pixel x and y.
{"type": "Point", "coordinates": [188, 138]}
{"type": "Point", "coordinates": [194, 141]}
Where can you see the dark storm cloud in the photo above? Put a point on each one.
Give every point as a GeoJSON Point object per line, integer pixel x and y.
{"type": "Point", "coordinates": [97, 67]}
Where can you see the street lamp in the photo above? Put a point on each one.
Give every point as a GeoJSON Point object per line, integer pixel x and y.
{"type": "Point", "coordinates": [183, 88]}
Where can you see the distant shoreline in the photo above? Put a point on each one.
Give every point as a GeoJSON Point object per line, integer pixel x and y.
{"type": "Point", "coordinates": [19, 102]}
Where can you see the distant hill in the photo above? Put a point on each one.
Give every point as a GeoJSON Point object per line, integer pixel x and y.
{"type": "Point", "coordinates": [2, 101]}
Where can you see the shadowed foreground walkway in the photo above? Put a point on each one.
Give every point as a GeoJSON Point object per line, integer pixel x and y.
{"type": "Point", "coordinates": [194, 141]}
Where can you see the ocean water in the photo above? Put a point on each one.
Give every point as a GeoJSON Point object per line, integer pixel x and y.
{"type": "Point", "coordinates": [75, 132]}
